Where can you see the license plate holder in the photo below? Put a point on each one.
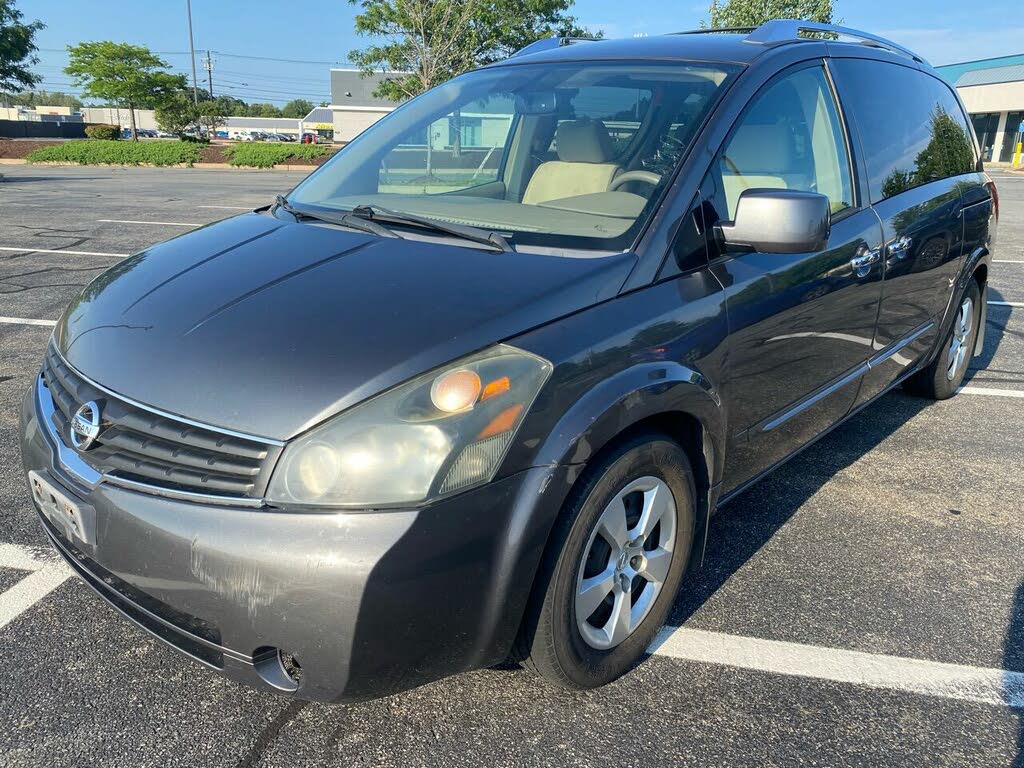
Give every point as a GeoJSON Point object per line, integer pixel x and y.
{"type": "Point", "coordinates": [69, 515]}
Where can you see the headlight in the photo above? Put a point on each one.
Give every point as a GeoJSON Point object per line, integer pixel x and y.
{"type": "Point", "coordinates": [438, 434]}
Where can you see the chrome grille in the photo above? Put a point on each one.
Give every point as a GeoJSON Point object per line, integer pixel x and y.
{"type": "Point", "coordinates": [139, 445]}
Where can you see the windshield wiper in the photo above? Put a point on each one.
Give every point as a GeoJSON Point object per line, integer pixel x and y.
{"type": "Point", "coordinates": [342, 218]}
{"type": "Point", "coordinates": [462, 231]}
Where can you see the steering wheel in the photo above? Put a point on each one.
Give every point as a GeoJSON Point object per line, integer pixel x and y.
{"type": "Point", "coordinates": [647, 177]}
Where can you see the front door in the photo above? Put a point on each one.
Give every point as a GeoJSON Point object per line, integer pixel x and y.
{"type": "Point", "coordinates": [801, 325]}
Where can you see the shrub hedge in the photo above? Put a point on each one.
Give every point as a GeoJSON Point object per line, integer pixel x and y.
{"type": "Point", "coordinates": [103, 132]}
{"type": "Point", "coordinates": [97, 152]}
{"type": "Point", "coordinates": [256, 155]}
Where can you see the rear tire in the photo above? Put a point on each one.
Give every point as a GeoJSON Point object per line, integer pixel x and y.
{"type": "Point", "coordinates": [941, 379]}
{"type": "Point", "coordinates": [618, 552]}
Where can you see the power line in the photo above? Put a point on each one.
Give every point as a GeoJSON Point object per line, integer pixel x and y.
{"type": "Point", "coordinates": [233, 56]}
{"type": "Point", "coordinates": [284, 61]}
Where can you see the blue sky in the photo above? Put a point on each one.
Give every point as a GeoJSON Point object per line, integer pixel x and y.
{"type": "Point", "coordinates": [313, 36]}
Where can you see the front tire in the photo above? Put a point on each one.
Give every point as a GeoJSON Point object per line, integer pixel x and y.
{"type": "Point", "coordinates": [617, 555]}
{"type": "Point", "coordinates": [941, 379]}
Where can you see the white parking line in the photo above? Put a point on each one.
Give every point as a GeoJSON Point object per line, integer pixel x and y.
{"type": "Point", "coordinates": [969, 390]}
{"type": "Point", "coordinates": [229, 207]}
{"type": "Point", "coordinates": [27, 321]}
{"type": "Point", "coordinates": [1007, 303]}
{"type": "Point", "coordinates": [894, 673]}
{"type": "Point", "coordinates": [160, 223]}
{"type": "Point", "coordinates": [1008, 261]}
{"type": "Point", "coordinates": [30, 249]}
{"type": "Point", "coordinates": [46, 576]}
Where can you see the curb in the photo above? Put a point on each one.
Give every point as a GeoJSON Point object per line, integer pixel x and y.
{"type": "Point", "coordinates": [207, 166]}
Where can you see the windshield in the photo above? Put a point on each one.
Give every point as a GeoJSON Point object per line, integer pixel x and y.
{"type": "Point", "coordinates": [567, 156]}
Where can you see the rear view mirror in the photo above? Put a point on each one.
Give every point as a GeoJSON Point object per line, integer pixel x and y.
{"type": "Point", "coordinates": [536, 103]}
{"type": "Point", "coordinates": [779, 221]}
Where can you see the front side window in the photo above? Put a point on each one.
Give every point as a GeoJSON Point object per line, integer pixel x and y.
{"type": "Point", "coordinates": [789, 138]}
{"type": "Point", "coordinates": [912, 128]}
{"type": "Point", "coordinates": [564, 156]}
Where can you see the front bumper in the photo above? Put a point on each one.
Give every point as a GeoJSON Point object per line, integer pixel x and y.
{"type": "Point", "coordinates": [370, 603]}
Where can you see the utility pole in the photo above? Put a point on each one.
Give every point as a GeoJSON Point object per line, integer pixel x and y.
{"type": "Point", "coordinates": [209, 72]}
{"type": "Point", "coordinates": [192, 53]}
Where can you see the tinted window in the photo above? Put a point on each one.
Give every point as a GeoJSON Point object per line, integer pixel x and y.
{"type": "Point", "coordinates": [912, 127]}
{"type": "Point", "coordinates": [789, 138]}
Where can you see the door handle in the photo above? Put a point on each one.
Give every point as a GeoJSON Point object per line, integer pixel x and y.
{"type": "Point", "coordinates": [899, 248]}
{"type": "Point", "coordinates": [863, 262]}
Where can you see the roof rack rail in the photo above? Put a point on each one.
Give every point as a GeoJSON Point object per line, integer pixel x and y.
{"type": "Point", "coordinates": [719, 30]}
{"type": "Point", "coordinates": [785, 30]}
{"type": "Point", "coordinates": [550, 43]}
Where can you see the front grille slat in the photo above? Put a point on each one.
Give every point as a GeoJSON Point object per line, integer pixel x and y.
{"type": "Point", "coordinates": [171, 476]}
{"type": "Point", "coordinates": [155, 449]}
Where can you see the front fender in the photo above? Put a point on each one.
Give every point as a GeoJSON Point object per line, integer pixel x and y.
{"type": "Point", "coordinates": [634, 395]}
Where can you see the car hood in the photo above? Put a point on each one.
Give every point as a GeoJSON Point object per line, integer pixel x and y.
{"type": "Point", "coordinates": [268, 327]}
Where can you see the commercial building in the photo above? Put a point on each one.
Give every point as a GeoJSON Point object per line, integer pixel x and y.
{"type": "Point", "coordinates": [354, 107]}
{"type": "Point", "coordinates": [993, 92]}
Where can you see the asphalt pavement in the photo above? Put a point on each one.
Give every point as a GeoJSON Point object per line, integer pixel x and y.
{"type": "Point", "coordinates": [862, 606]}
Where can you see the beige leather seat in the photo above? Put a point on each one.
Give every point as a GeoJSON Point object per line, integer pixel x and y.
{"type": "Point", "coordinates": [758, 157]}
{"type": "Point", "coordinates": [583, 166]}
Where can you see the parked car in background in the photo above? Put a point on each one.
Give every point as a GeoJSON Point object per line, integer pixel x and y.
{"type": "Point", "coordinates": [437, 409]}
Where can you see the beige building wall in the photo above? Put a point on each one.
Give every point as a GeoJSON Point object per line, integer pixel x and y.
{"type": "Point", "coordinates": [144, 118]}
{"type": "Point", "coordinates": [42, 109]}
{"type": "Point", "coordinates": [350, 122]}
{"type": "Point", "coordinates": [999, 97]}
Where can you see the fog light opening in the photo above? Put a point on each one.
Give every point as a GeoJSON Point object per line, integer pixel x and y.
{"type": "Point", "coordinates": [291, 665]}
{"type": "Point", "coordinates": [278, 668]}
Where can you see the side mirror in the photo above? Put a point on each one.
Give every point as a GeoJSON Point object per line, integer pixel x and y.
{"type": "Point", "coordinates": [779, 221]}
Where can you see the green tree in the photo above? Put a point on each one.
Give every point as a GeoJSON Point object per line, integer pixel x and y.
{"type": "Point", "coordinates": [177, 113]}
{"type": "Point", "coordinates": [47, 98]}
{"type": "Point", "coordinates": [754, 13]}
{"type": "Point", "coordinates": [425, 42]}
{"type": "Point", "coordinates": [211, 115]}
{"type": "Point", "coordinates": [264, 110]}
{"type": "Point", "coordinates": [232, 107]}
{"type": "Point", "coordinates": [17, 49]}
{"type": "Point", "coordinates": [297, 108]}
{"type": "Point", "coordinates": [949, 153]}
{"type": "Point", "coordinates": [127, 75]}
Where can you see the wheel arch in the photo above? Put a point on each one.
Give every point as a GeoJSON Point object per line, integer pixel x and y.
{"type": "Point", "coordinates": [657, 397]}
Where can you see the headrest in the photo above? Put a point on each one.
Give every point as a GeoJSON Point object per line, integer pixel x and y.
{"type": "Point", "coordinates": [762, 148]}
{"type": "Point", "coordinates": [583, 141]}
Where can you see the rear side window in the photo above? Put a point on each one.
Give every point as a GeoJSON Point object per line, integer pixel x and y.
{"type": "Point", "coordinates": [913, 129]}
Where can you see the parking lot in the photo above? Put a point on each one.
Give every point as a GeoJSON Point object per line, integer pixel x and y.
{"type": "Point", "coordinates": [862, 606]}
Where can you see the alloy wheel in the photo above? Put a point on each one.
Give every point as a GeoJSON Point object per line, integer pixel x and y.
{"type": "Point", "coordinates": [626, 562]}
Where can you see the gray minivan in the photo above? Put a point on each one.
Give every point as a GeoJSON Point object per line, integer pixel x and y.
{"type": "Point", "coordinates": [472, 390]}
